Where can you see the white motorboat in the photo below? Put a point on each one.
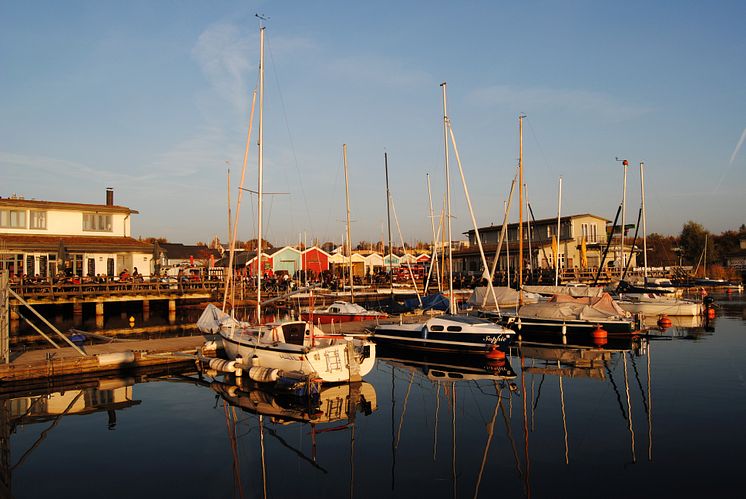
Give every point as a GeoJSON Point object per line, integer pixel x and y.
{"type": "Point", "coordinates": [341, 311]}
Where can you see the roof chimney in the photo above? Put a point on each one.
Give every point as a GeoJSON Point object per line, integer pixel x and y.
{"type": "Point", "coordinates": [109, 196]}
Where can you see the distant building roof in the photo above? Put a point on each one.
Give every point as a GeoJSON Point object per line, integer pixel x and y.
{"type": "Point", "coordinates": [178, 251]}
{"type": "Point", "coordinates": [91, 244]}
{"type": "Point", "coordinates": [56, 205]}
{"type": "Point", "coordinates": [537, 222]}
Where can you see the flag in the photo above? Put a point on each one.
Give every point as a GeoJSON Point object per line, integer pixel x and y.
{"type": "Point", "coordinates": [583, 254]}
{"type": "Point", "coordinates": [554, 251]}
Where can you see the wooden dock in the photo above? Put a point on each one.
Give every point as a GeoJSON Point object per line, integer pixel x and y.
{"type": "Point", "coordinates": [105, 358]}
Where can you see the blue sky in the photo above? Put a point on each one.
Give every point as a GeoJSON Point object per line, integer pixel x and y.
{"type": "Point", "coordinates": [153, 98]}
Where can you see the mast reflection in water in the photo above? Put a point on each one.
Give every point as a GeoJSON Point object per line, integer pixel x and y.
{"type": "Point", "coordinates": [549, 420]}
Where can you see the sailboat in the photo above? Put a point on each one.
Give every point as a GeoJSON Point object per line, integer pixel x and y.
{"type": "Point", "coordinates": [562, 313]}
{"type": "Point", "coordinates": [448, 332]}
{"type": "Point", "coordinates": [286, 346]}
{"type": "Point", "coordinates": [343, 311]}
{"type": "Point", "coordinates": [652, 303]}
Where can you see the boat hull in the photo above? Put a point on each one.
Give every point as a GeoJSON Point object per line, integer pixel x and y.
{"type": "Point", "coordinates": [337, 318]}
{"type": "Point", "coordinates": [668, 307]}
{"type": "Point", "coordinates": [420, 338]}
{"type": "Point", "coordinates": [331, 363]}
{"type": "Point", "coordinates": [525, 325]}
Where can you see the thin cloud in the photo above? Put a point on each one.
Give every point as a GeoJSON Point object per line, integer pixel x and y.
{"type": "Point", "coordinates": [738, 146]}
{"type": "Point", "coordinates": [224, 56]}
{"type": "Point", "coordinates": [579, 101]}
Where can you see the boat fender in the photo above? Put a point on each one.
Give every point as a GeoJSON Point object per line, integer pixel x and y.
{"type": "Point", "coordinates": [710, 313]}
{"type": "Point", "coordinates": [264, 374]}
{"type": "Point", "coordinates": [222, 365]}
{"type": "Point", "coordinates": [116, 359]}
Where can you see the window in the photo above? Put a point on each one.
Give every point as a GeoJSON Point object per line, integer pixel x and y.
{"type": "Point", "coordinates": [436, 328]}
{"type": "Point", "coordinates": [13, 219]}
{"type": "Point", "coordinates": [589, 231]}
{"type": "Point", "coordinates": [454, 329]}
{"type": "Point", "coordinates": [38, 220]}
{"type": "Point", "coordinates": [96, 222]}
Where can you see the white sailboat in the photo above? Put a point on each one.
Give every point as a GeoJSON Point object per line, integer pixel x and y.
{"type": "Point", "coordinates": [287, 345]}
{"type": "Point", "coordinates": [653, 304]}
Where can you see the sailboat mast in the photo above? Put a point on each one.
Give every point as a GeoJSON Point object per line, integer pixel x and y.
{"type": "Point", "coordinates": [349, 241]}
{"type": "Point", "coordinates": [559, 210]}
{"type": "Point", "coordinates": [435, 238]}
{"type": "Point", "coordinates": [451, 304]}
{"type": "Point", "coordinates": [625, 163]}
{"type": "Point", "coordinates": [260, 189]}
{"type": "Point", "coordinates": [644, 225]}
{"type": "Point", "coordinates": [388, 221]}
{"type": "Point", "coordinates": [520, 208]}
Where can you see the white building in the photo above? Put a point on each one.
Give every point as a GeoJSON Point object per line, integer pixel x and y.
{"type": "Point", "coordinates": [45, 238]}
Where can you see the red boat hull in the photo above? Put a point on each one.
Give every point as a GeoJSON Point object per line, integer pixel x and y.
{"type": "Point", "coordinates": [337, 318]}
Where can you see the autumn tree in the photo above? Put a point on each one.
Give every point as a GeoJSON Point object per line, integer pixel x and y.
{"type": "Point", "coordinates": [692, 242]}
{"type": "Point", "coordinates": [660, 250]}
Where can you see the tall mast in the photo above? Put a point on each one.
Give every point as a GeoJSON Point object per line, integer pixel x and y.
{"type": "Point", "coordinates": [559, 209]}
{"type": "Point", "coordinates": [349, 241]}
{"type": "Point", "coordinates": [260, 189]}
{"type": "Point", "coordinates": [625, 163]}
{"type": "Point", "coordinates": [520, 207]}
{"type": "Point", "coordinates": [644, 225]}
{"type": "Point", "coordinates": [388, 220]}
{"type": "Point", "coordinates": [435, 237]}
{"type": "Point", "coordinates": [451, 304]}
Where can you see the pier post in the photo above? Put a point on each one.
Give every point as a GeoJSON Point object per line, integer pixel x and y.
{"type": "Point", "coordinates": [78, 313]}
{"type": "Point", "coordinates": [146, 310]}
{"type": "Point", "coordinates": [171, 311]}
{"type": "Point", "coordinates": [99, 314]}
{"type": "Point", "coordinates": [14, 315]}
{"type": "Point", "coordinates": [4, 323]}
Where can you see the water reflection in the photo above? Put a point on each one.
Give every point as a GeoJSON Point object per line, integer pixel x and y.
{"type": "Point", "coordinates": [548, 420]}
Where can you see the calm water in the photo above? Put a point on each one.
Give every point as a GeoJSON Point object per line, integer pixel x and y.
{"type": "Point", "coordinates": [649, 419]}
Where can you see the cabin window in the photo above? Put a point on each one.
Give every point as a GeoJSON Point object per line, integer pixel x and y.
{"type": "Point", "coordinates": [334, 310]}
{"type": "Point", "coordinates": [454, 329]}
{"type": "Point", "coordinates": [96, 222]}
{"type": "Point", "coordinates": [437, 374]}
{"type": "Point", "coordinates": [294, 333]}
{"type": "Point", "coordinates": [455, 375]}
{"type": "Point", "coordinates": [436, 328]}
{"type": "Point", "coordinates": [13, 219]}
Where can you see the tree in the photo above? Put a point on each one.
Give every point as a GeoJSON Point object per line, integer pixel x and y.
{"type": "Point", "coordinates": [153, 240]}
{"type": "Point", "coordinates": [729, 242]}
{"type": "Point", "coordinates": [660, 250]}
{"type": "Point", "coordinates": [251, 245]}
{"type": "Point", "coordinates": [692, 243]}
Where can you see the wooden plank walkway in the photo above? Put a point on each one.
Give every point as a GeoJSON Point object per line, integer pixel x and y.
{"type": "Point", "coordinates": [116, 356]}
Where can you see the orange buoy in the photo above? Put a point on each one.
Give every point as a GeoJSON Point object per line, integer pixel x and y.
{"type": "Point", "coordinates": [495, 353]}
{"type": "Point", "coordinates": [599, 332]}
{"type": "Point", "coordinates": [599, 336]}
{"type": "Point", "coordinates": [710, 313]}
{"type": "Point", "coordinates": [664, 321]}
